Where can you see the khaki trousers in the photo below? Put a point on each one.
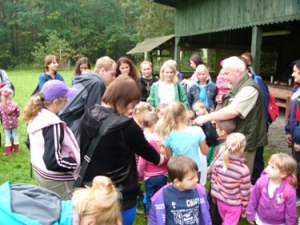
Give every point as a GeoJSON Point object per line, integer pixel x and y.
{"type": "Point", "coordinates": [62, 188]}
{"type": "Point", "coordinates": [249, 156]}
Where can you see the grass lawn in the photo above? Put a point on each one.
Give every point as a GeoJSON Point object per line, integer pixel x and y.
{"type": "Point", "coordinates": [16, 168]}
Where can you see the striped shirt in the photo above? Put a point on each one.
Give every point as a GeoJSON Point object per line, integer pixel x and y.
{"type": "Point", "coordinates": [233, 185]}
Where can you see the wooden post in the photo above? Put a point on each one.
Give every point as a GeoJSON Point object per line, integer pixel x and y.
{"type": "Point", "coordinates": [256, 48]}
{"type": "Point", "coordinates": [177, 52]}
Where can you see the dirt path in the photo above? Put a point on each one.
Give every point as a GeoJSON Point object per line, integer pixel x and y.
{"type": "Point", "coordinates": [276, 136]}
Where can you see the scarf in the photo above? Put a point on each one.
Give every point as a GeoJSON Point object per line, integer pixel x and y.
{"type": "Point", "coordinates": [295, 88]}
{"type": "Point", "coordinates": [203, 96]}
{"type": "Point", "coordinates": [298, 110]}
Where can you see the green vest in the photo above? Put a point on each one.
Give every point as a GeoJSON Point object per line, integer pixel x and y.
{"type": "Point", "coordinates": [254, 125]}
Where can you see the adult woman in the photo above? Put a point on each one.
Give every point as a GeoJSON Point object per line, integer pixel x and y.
{"type": "Point", "coordinates": [147, 79]}
{"type": "Point", "coordinates": [126, 67]}
{"type": "Point", "coordinates": [294, 119]}
{"type": "Point", "coordinates": [203, 89]}
{"type": "Point", "coordinates": [51, 66]}
{"type": "Point", "coordinates": [114, 155]}
{"type": "Point", "coordinates": [82, 64]}
{"type": "Point", "coordinates": [96, 205]}
{"type": "Point", "coordinates": [195, 61]}
{"type": "Point", "coordinates": [167, 89]}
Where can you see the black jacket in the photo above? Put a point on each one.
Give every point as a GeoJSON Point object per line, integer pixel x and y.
{"type": "Point", "coordinates": [114, 156]}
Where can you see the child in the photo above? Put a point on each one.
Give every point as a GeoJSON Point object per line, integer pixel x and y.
{"type": "Point", "coordinates": [183, 201]}
{"type": "Point", "coordinates": [150, 120]}
{"type": "Point", "coordinates": [160, 110]}
{"type": "Point", "coordinates": [55, 155]}
{"type": "Point", "coordinates": [223, 128]}
{"type": "Point", "coordinates": [273, 198]}
{"type": "Point", "coordinates": [139, 112]}
{"type": "Point", "coordinates": [231, 182]}
{"type": "Point", "coordinates": [210, 132]}
{"type": "Point", "coordinates": [155, 176]}
{"type": "Point", "coordinates": [9, 113]}
{"type": "Point", "coordinates": [223, 85]}
{"type": "Point", "coordinates": [191, 117]}
{"type": "Point", "coordinates": [178, 138]}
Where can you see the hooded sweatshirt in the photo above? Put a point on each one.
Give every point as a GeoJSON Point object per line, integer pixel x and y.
{"type": "Point", "coordinates": [51, 143]}
{"type": "Point", "coordinates": [90, 88]}
{"type": "Point", "coordinates": [114, 155]}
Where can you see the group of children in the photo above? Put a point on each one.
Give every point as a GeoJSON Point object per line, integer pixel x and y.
{"type": "Point", "coordinates": [170, 130]}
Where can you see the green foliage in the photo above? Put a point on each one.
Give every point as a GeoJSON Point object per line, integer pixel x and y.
{"type": "Point", "coordinates": [51, 47]}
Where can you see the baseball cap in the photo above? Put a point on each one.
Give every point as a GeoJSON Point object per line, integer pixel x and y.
{"type": "Point", "coordinates": [54, 89]}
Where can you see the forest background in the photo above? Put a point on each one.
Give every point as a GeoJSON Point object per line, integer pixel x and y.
{"type": "Point", "coordinates": [31, 29]}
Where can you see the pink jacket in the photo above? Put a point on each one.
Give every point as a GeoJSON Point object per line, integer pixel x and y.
{"type": "Point", "coordinates": [9, 115]}
{"type": "Point", "coordinates": [45, 118]}
{"type": "Point", "coordinates": [222, 84]}
{"type": "Point", "coordinates": [148, 169]}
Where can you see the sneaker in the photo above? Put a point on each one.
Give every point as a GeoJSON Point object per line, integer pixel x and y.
{"type": "Point", "coordinates": [298, 202]}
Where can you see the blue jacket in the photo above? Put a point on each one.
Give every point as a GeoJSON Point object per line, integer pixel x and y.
{"type": "Point", "coordinates": [28, 204]}
{"type": "Point", "coordinates": [158, 211]}
{"type": "Point", "coordinates": [43, 78]}
{"type": "Point", "coordinates": [211, 93]}
{"type": "Point", "coordinates": [265, 94]}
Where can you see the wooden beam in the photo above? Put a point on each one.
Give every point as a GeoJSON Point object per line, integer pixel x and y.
{"type": "Point", "coordinates": [177, 52]}
{"type": "Point", "coordinates": [256, 48]}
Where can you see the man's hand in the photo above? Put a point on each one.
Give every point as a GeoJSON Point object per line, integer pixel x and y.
{"type": "Point", "coordinates": [288, 138]}
{"type": "Point", "coordinates": [200, 120]}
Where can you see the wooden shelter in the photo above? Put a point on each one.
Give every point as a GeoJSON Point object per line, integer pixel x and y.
{"type": "Point", "coordinates": [269, 29]}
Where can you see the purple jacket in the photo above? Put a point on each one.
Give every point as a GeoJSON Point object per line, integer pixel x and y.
{"type": "Point", "coordinates": [292, 123]}
{"type": "Point", "coordinates": [278, 210]}
{"type": "Point", "coordinates": [158, 211]}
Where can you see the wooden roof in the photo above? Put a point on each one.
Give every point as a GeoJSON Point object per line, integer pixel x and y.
{"type": "Point", "coordinates": [151, 43]}
{"type": "Point", "coordinates": [207, 16]}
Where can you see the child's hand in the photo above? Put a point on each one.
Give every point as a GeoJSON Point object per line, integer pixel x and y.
{"type": "Point", "coordinates": [297, 147]}
{"type": "Point", "coordinates": [209, 176]}
{"type": "Point", "coordinates": [214, 200]}
{"type": "Point", "coordinates": [243, 215]}
{"type": "Point", "coordinates": [71, 154]}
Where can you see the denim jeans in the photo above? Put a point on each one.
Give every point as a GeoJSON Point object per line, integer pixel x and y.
{"type": "Point", "coordinates": [11, 133]}
{"type": "Point", "coordinates": [152, 185]}
{"type": "Point", "coordinates": [128, 216]}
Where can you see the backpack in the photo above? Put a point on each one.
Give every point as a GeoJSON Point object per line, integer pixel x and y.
{"type": "Point", "coordinates": [12, 87]}
{"type": "Point", "coordinates": [273, 109]}
{"type": "Point", "coordinates": [286, 190]}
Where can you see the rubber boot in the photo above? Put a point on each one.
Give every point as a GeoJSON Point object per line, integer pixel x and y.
{"type": "Point", "coordinates": [7, 151]}
{"type": "Point", "coordinates": [16, 147]}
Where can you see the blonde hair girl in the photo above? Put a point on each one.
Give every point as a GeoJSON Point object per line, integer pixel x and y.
{"type": "Point", "coordinates": [167, 89]}
{"type": "Point", "coordinates": [9, 113]}
{"type": "Point", "coordinates": [274, 192]}
{"type": "Point", "coordinates": [98, 204]}
{"type": "Point", "coordinates": [139, 112]}
{"type": "Point", "coordinates": [234, 146]}
{"type": "Point", "coordinates": [231, 181]}
{"type": "Point", "coordinates": [178, 138]}
{"type": "Point", "coordinates": [55, 155]}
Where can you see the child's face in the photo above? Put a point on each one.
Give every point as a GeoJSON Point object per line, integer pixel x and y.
{"type": "Point", "coordinates": [161, 113]}
{"type": "Point", "coordinates": [220, 132]}
{"type": "Point", "coordinates": [188, 182]}
{"type": "Point", "coordinates": [200, 111]}
{"type": "Point", "coordinates": [273, 172]}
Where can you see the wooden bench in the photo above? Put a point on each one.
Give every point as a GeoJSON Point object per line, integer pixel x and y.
{"type": "Point", "coordinates": [283, 95]}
